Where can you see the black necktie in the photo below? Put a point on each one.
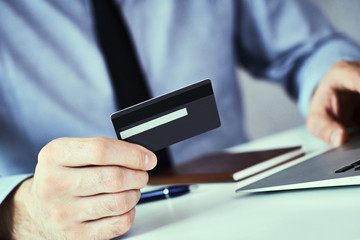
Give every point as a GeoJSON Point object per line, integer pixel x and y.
{"type": "Point", "coordinates": [117, 47]}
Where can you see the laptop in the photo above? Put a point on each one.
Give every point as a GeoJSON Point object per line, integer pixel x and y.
{"type": "Point", "coordinates": [337, 167]}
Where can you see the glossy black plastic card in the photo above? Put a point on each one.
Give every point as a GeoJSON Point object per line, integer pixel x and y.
{"type": "Point", "coordinates": [170, 118]}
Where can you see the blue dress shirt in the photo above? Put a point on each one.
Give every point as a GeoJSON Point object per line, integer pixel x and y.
{"type": "Point", "coordinates": [54, 83]}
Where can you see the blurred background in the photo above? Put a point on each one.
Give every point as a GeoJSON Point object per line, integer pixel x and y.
{"type": "Point", "coordinates": [272, 111]}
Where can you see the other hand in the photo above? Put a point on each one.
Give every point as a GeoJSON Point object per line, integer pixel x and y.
{"type": "Point", "coordinates": [335, 104]}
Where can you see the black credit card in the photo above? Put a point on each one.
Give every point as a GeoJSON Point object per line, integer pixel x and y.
{"type": "Point", "coordinates": [170, 118]}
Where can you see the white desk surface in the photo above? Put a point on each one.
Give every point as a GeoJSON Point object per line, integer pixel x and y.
{"type": "Point", "coordinates": [215, 211]}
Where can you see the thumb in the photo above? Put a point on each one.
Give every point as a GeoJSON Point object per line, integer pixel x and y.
{"type": "Point", "coordinates": [326, 128]}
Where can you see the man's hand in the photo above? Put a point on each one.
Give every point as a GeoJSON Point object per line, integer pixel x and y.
{"type": "Point", "coordinates": [83, 188]}
{"type": "Point", "coordinates": [335, 104]}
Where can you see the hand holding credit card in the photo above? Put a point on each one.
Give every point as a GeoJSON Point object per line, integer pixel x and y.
{"type": "Point", "coordinates": [162, 121]}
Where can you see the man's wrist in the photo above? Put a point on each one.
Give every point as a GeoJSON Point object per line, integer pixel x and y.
{"type": "Point", "coordinates": [15, 221]}
{"type": "Point", "coordinates": [7, 216]}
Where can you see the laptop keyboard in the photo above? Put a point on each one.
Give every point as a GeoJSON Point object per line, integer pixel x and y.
{"type": "Point", "coordinates": [355, 165]}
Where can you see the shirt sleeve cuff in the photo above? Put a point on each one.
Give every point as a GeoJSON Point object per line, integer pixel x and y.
{"type": "Point", "coordinates": [7, 184]}
{"type": "Point", "coordinates": [317, 65]}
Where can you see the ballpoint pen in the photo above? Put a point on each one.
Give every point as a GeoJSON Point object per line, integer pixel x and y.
{"type": "Point", "coordinates": [164, 193]}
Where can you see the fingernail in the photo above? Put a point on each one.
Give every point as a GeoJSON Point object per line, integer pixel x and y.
{"type": "Point", "coordinates": [336, 138]}
{"type": "Point", "coordinates": [150, 160]}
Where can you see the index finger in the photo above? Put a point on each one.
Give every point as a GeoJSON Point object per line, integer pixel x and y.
{"type": "Point", "coordinates": [326, 128]}
{"type": "Point", "coordinates": [100, 151]}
